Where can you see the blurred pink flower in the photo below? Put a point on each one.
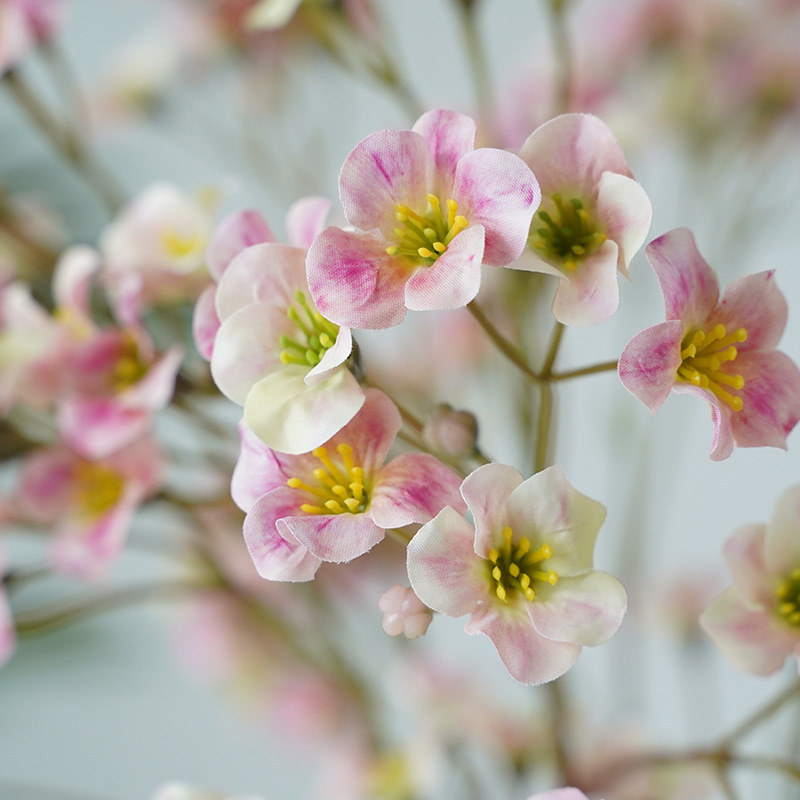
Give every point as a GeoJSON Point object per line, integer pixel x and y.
{"type": "Point", "coordinates": [429, 210]}
{"type": "Point", "coordinates": [756, 622]}
{"type": "Point", "coordinates": [403, 612]}
{"type": "Point", "coordinates": [89, 503]}
{"type": "Point", "coordinates": [524, 573]}
{"type": "Point", "coordinates": [720, 349]}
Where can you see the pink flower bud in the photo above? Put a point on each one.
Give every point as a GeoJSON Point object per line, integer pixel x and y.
{"type": "Point", "coordinates": [450, 431]}
{"type": "Point", "coordinates": [404, 612]}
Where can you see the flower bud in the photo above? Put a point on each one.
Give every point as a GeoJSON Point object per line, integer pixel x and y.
{"type": "Point", "coordinates": [404, 612]}
{"type": "Point", "coordinates": [450, 431]}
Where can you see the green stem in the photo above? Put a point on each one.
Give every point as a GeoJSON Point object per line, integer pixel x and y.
{"type": "Point", "coordinates": [509, 350]}
{"type": "Point", "coordinates": [606, 366]}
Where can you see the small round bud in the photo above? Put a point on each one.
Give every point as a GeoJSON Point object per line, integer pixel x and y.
{"type": "Point", "coordinates": [404, 612]}
{"type": "Point", "coordinates": [450, 431]}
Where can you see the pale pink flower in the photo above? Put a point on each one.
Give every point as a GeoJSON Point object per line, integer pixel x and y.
{"type": "Point", "coordinates": [154, 250]}
{"type": "Point", "coordinates": [756, 622]}
{"type": "Point", "coordinates": [277, 356]}
{"type": "Point", "coordinates": [89, 504]}
{"type": "Point", "coordinates": [592, 219]}
{"type": "Point", "coordinates": [720, 349]}
{"type": "Point", "coordinates": [524, 573]}
{"type": "Point", "coordinates": [236, 233]}
{"type": "Point", "coordinates": [403, 612]}
{"type": "Point", "coordinates": [428, 210]}
{"type": "Point", "coordinates": [335, 503]}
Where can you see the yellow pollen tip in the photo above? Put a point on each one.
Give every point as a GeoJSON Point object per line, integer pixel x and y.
{"type": "Point", "coordinates": [439, 247]}
{"type": "Point", "coordinates": [507, 533]}
{"type": "Point", "coordinates": [424, 252]}
{"type": "Point", "coordinates": [513, 570]}
{"type": "Point", "coordinates": [493, 555]}
{"type": "Point", "coordinates": [295, 483]}
{"type": "Point", "coordinates": [529, 593]}
{"type": "Point", "coordinates": [334, 506]}
{"type": "Point", "coordinates": [307, 508]}
{"type": "Point", "coordinates": [500, 592]}
{"type": "Point", "coordinates": [497, 573]}
{"type": "Point", "coordinates": [352, 504]}
{"type": "Point", "coordinates": [392, 251]}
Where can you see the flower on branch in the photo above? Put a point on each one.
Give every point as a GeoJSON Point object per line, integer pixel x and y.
{"type": "Point", "coordinates": [336, 502]}
{"type": "Point", "coordinates": [524, 574]}
{"type": "Point", "coordinates": [593, 216]}
{"type": "Point", "coordinates": [429, 210]}
{"type": "Point", "coordinates": [756, 622]}
{"type": "Point", "coordinates": [720, 349]}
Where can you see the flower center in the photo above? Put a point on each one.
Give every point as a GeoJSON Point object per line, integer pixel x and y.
{"type": "Point", "coordinates": [568, 235]}
{"type": "Point", "coordinates": [426, 236]}
{"type": "Point", "coordinates": [129, 367]}
{"type": "Point", "coordinates": [97, 488]}
{"type": "Point", "coordinates": [177, 245]}
{"type": "Point", "coordinates": [316, 335]}
{"type": "Point", "coordinates": [703, 354]}
{"type": "Point", "coordinates": [339, 488]}
{"type": "Point", "coordinates": [513, 567]}
{"type": "Point", "coordinates": [788, 594]}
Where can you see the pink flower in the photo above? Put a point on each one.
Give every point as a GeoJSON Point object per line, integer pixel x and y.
{"type": "Point", "coordinates": [756, 622]}
{"type": "Point", "coordinates": [277, 356]}
{"type": "Point", "coordinates": [154, 250]}
{"type": "Point", "coordinates": [335, 503]}
{"type": "Point", "coordinates": [91, 504]}
{"type": "Point", "coordinates": [524, 574]}
{"type": "Point", "coordinates": [429, 210]}
{"type": "Point", "coordinates": [593, 216]}
{"type": "Point", "coordinates": [403, 612]}
{"type": "Point", "coordinates": [722, 350]}
{"type": "Point", "coordinates": [236, 233]}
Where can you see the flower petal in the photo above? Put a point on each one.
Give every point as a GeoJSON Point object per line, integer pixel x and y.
{"type": "Point", "coordinates": [782, 541]}
{"type": "Point", "coordinates": [689, 285]}
{"type": "Point", "coordinates": [442, 566]}
{"type": "Point", "coordinates": [590, 294]}
{"type": "Point", "coordinates": [753, 641]}
{"type": "Point", "coordinates": [548, 510]}
{"type": "Point", "coordinates": [756, 304]}
{"type": "Point", "coordinates": [384, 170]}
{"type": "Point", "coordinates": [205, 322]}
{"type": "Point", "coordinates": [649, 363]}
{"type": "Point", "coordinates": [414, 487]}
{"type": "Point", "coordinates": [448, 137]}
{"type": "Point", "coordinates": [354, 282]}
{"type": "Point", "coordinates": [744, 555]}
{"type": "Point", "coordinates": [258, 470]}
{"type": "Point", "coordinates": [585, 609]}
{"type": "Point", "coordinates": [289, 416]}
{"type": "Point", "coordinates": [486, 491]}
{"type": "Point", "coordinates": [624, 212]}
{"type": "Point", "coordinates": [497, 190]}
{"type": "Point", "coordinates": [771, 396]}
{"type": "Point", "coordinates": [275, 557]}
{"type": "Point", "coordinates": [235, 233]}
{"type": "Point", "coordinates": [306, 219]}
{"type": "Point", "coordinates": [529, 657]}
{"type": "Point", "coordinates": [453, 279]}
{"type": "Point", "coordinates": [335, 537]}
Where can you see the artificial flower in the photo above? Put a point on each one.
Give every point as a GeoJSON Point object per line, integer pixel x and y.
{"type": "Point", "coordinates": [524, 573]}
{"type": "Point", "coordinates": [403, 612]}
{"type": "Point", "coordinates": [756, 622]}
{"type": "Point", "coordinates": [277, 356]}
{"type": "Point", "coordinates": [593, 216]}
{"type": "Point", "coordinates": [720, 349]}
{"type": "Point", "coordinates": [89, 503]}
{"type": "Point", "coordinates": [336, 502]}
{"type": "Point", "coordinates": [236, 233]}
{"type": "Point", "coordinates": [428, 210]}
